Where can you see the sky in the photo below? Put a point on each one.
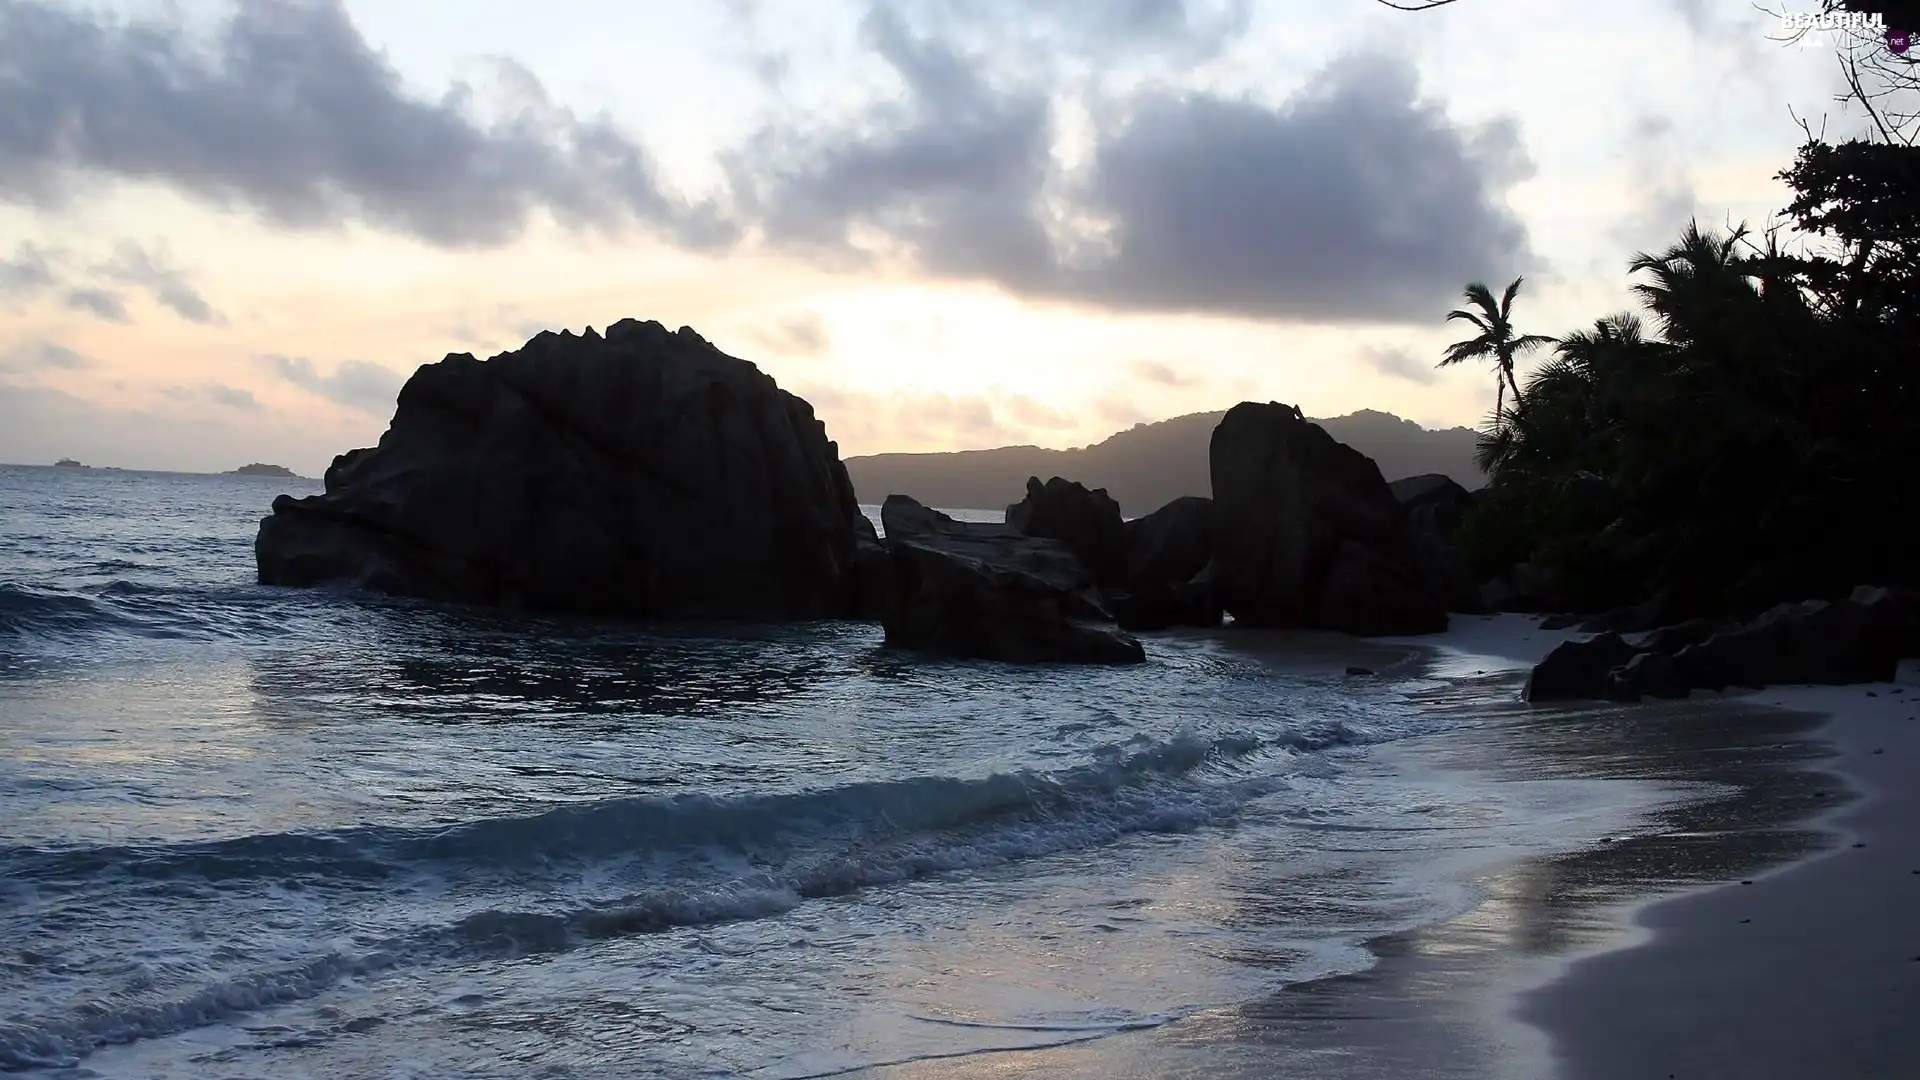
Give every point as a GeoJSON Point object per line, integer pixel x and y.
{"type": "Point", "coordinates": [229, 232]}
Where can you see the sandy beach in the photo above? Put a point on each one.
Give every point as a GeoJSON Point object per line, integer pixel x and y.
{"type": "Point", "coordinates": [1768, 929]}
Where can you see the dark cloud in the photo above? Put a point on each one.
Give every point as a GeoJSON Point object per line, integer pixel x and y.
{"type": "Point", "coordinates": [26, 273]}
{"type": "Point", "coordinates": [134, 265]}
{"type": "Point", "coordinates": [292, 114]}
{"type": "Point", "coordinates": [1398, 363]}
{"type": "Point", "coordinates": [42, 355]}
{"type": "Point", "coordinates": [104, 303]}
{"type": "Point", "coordinates": [1354, 200]}
{"type": "Point", "coordinates": [801, 335]}
{"type": "Point", "coordinates": [233, 397]}
{"type": "Point", "coordinates": [953, 174]}
{"type": "Point", "coordinates": [355, 383]}
{"type": "Point", "coordinates": [1154, 371]}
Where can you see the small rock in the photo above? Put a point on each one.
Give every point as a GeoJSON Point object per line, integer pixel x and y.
{"type": "Point", "coordinates": [1746, 920]}
{"type": "Point", "coordinates": [1871, 693]}
{"type": "Point", "coordinates": [1859, 845]}
{"type": "Point", "coordinates": [1748, 881]}
{"type": "Point", "coordinates": [1879, 751]}
{"type": "Point", "coordinates": [1358, 670]}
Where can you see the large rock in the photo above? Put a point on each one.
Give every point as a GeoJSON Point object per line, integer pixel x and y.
{"type": "Point", "coordinates": [1171, 545]}
{"type": "Point", "coordinates": [1435, 505]}
{"type": "Point", "coordinates": [1861, 638]}
{"type": "Point", "coordinates": [1168, 582]}
{"type": "Point", "coordinates": [1578, 669]}
{"type": "Point", "coordinates": [1087, 522]}
{"type": "Point", "coordinates": [1292, 505]}
{"type": "Point", "coordinates": [643, 473]}
{"type": "Point", "coordinates": [991, 592]}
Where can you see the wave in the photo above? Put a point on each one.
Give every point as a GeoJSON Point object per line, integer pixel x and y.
{"type": "Point", "coordinates": [758, 825]}
{"type": "Point", "coordinates": [838, 841]}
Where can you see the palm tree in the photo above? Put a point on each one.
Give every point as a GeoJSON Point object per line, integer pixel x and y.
{"type": "Point", "coordinates": [1496, 340]}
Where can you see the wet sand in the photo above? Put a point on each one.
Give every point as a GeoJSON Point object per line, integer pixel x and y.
{"type": "Point", "coordinates": [1567, 967]}
{"type": "Point", "coordinates": [1813, 970]}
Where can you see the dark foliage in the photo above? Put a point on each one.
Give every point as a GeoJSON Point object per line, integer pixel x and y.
{"type": "Point", "coordinates": [1753, 434]}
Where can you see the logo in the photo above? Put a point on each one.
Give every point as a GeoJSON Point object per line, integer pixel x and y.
{"type": "Point", "coordinates": [1796, 25]}
{"type": "Point", "coordinates": [1866, 22]}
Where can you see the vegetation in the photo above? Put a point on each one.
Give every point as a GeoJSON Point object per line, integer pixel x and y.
{"type": "Point", "coordinates": [1752, 434]}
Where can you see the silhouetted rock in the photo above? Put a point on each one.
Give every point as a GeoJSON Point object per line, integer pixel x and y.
{"type": "Point", "coordinates": [1088, 522]}
{"type": "Point", "coordinates": [873, 590]}
{"type": "Point", "coordinates": [1307, 532]}
{"type": "Point", "coordinates": [645, 473]}
{"type": "Point", "coordinates": [1577, 669]}
{"type": "Point", "coordinates": [1172, 544]}
{"type": "Point", "coordinates": [262, 469]}
{"type": "Point", "coordinates": [1168, 554]}
{"type": "Point", "coordinates": [991, 592]}
{"type": "Point", "coordinates": [1649, 674]}
{"type": "Point", "coordinates": [1435, 505]}
{"type": "Point", "coordinates": [1861, 638]}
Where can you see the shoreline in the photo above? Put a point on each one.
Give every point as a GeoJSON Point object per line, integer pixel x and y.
{"type": "Point", "coordinates": [1812, 969]}
{"type": "Point", "coordinates": [1561, 968]}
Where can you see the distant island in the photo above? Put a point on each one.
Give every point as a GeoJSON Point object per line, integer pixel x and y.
{"type": "Point", "coordinates": [1147, 466]}
{"type": "Point", "coordinates": [69, 463]}
{"type": "Point", "coordinates": [260, 469]}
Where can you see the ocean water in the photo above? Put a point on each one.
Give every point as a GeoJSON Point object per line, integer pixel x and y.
{"type": "Point", "coordinates": [249, 831]}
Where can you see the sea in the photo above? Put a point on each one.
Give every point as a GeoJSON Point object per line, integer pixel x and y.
{"type": "Point", "coordinates": [250, 831]}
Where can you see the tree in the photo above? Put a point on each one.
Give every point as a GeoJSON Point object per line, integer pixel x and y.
{"type": "Point", "coordinates": [1496, 340]}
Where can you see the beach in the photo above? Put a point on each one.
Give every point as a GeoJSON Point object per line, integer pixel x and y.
{"type": "Point", "coordinates": [255, 831]}
{"type": "Point", "coordinates": [1744, 935]}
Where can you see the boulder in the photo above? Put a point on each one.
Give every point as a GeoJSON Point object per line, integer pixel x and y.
{"type": "Point", "coordinates": [1171, 545]}
{"type": "Point", "coordinates": [643, 473]}
{"type": "Point", "coordinates": [1649, 674]}
{"type": "Point", "coordinates": [1435, 504]}
{"type": "Point", "coordinates": [873, 586]}
{"type": "Point", "coordinates": [1369, 595]}
{"type": "Point", "coordinates": [1087, 522]}
{"type": "Point", "coordinates": [990, 592]}
{"type": "Point", "coordinates": [1293, 506]}
{"type": "Point", "coordinates": [1860, 638]}
{"type": "Point", "coordinates": [1577, 669]}
{"type": "Point", "coordinates": [1168, 583]}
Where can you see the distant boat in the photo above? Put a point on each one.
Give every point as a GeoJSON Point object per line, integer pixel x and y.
{"type": "Point", "coordinates": [69, 463]}
{"type": "Point", "coordinates": [259, 469]}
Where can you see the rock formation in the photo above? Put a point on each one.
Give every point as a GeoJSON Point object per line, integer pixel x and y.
{"type": "Point", "coordinates": [1435, 505]}
{"type": "Point", "coordinates": [1308, 533]}
{"type": "Point", "coordinates": [1087, 522]}
{"type": "Point", "coordinates": [643, 473]}
{"type": "Point", "coordinates": [1859, 638]}
{"type": "Point", "coordinates": [1168, 582]}
{"type": "Point", "coordinates": [991, 592]}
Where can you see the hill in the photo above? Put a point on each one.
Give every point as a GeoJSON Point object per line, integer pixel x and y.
{"type": "Point", "coordinates": [1146, 466]}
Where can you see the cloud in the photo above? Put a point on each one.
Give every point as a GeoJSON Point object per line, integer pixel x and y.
{"type": "Point", "coordinates": [134, 265]}
{"type": "Point", "coordinates": [289, 112]}
{"type": "Point", "coordinates": [357, 384]}
{"type": "Point", "coordinates": [233, 397]}
{"type": "Point", "coordinates": [104, 303]}
{"type": "Point", "coordinates": [27, 273]}
{"type": "Point", "coordinates": [1398, 363]}
{"type": "Point", "coordinates": [801, 335]}
{"type": "Point", "coordinates": [1154, 371]}
{"type": "Point", "coordinates": [42, 355]}
{"type": "Point", "coordinates": [1667, 200]}
{"type": "Point", "coordinates": [1355, 200]}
